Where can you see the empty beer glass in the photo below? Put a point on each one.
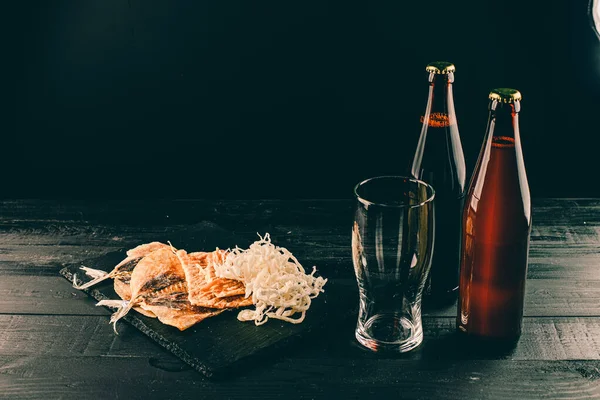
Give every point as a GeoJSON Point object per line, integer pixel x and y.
{"type": "Point", "coordinates": [392, 243]}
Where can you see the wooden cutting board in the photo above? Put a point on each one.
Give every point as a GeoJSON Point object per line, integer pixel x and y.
{"type": "Point", "coordinates": [217, 345]}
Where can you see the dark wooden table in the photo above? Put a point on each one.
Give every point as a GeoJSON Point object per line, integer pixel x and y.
{"type": "Point", "coordinates": [55, 344]}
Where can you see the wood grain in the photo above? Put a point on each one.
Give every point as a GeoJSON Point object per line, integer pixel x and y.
{"type": "Point", "coordinates": [44, 295]}
{"type": "Point", "coordinates": [24, 377]}
{"type": "Point", "coordinates": [22, 294]}
{"type": "Point", "coordinates": [39, 239]}
{"type": "Point", "coordinates": [544, 339]}
{"type": "Point", "coordinates": [33, 335]}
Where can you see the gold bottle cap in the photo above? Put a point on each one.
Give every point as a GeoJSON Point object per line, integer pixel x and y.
{"type": "Point", "coordinates": [505, 95]}
{"type": "Point", "coordinates": [440, 67]}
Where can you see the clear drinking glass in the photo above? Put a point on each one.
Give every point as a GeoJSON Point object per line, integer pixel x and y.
{"type": "Point", "coordinates": [392, 243]}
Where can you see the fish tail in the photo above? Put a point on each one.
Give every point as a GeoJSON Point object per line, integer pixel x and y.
{"type": "Point", "coordinates": [93, 273]}
{"type": "Point", "coordinates": [97, 275]}
{"type": "Point", "coordinates": [122, 306]}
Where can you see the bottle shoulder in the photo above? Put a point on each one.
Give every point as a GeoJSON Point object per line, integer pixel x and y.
{"type": "Point", "coordinates": [494, 195]}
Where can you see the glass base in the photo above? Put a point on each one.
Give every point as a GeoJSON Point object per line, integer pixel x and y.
{"type": "Point", "coordinates": [389, 332]}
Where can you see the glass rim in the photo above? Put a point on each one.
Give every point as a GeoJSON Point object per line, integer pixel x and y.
{"type": "Point", "coordinates": [405, 178]}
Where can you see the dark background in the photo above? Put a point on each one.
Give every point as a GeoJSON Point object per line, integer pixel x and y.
{"type": "Point", "coordinates": [249, 99]}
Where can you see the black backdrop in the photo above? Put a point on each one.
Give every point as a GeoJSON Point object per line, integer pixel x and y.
{"type": "Point", "coordinates": [261, 99]}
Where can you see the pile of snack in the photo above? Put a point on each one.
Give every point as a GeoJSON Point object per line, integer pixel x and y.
{"type": "Point", "coordinates": [182, 289]}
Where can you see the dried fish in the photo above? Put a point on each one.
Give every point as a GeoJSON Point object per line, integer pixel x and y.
{"type": "Point", "coordinates": [158, 285]}
{"type": "Point", "coordinates": [205, 289]}
{"type": "Point", "coordinates": [181, 288]}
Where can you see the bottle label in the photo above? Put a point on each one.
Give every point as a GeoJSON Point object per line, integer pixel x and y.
{"type": "Point", "coordinates": [437, 120]}
{"type": "Point", "coordinates": [503, 141]}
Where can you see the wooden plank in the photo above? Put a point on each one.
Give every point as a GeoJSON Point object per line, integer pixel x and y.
{"type": "Point", "coordinates": [564, 263]}
{"type": "Point", "coordinates": [231, 214]}
{"type": "Point", "coordinates": [549, 297]}
{"type": "Point", "coordinates": [543, 339]}
{"type": "Point", "coordinates": [32, 259]}
{"type": "Point", "coordinates": [25, 377]}
{"type": "Point", "coordinates": [235, 213]}
{"type": "Point", "coordinates": [321, 225]}
{"type": "Point", "coordinates": [567, 211]}
{"type": "Point", "coordinates": [51, 295]}
{"type": "Point", "coordinates": [67, 336]}
{"type": "Point", "coordinates": [54, 295]}
{"type": "Point", "coordinates": [334, 225]}
{"type": "Point", "coordinates": [558, 263]}
{"type": "Point", "coordinates": [328, 232]}
{"type": "Point", "coordinates": [552, 297]}
{"type": "Point", "coordinates": [46, 253]}
{"type": "Point", "coordinates": [556, 338]}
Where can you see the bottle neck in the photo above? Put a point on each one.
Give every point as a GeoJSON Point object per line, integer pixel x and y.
{"type": "Point", "coordinates": [502, 139]}
{"type": "Point", "coordinates": [440, 106]}
{"type": "Point", "coordinates": [504, 123]}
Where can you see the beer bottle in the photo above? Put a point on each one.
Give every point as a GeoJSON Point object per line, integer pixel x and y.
{"type": "Point", "coordinates": [496, 228]}
{"type": "Point", "coordinates": [439, 161]}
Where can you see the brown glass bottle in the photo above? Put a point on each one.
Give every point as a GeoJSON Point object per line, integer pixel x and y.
{"type": "Point", "coordinates": [439, 161]}
{"type": "Point", "coordinates": [496, 229]}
